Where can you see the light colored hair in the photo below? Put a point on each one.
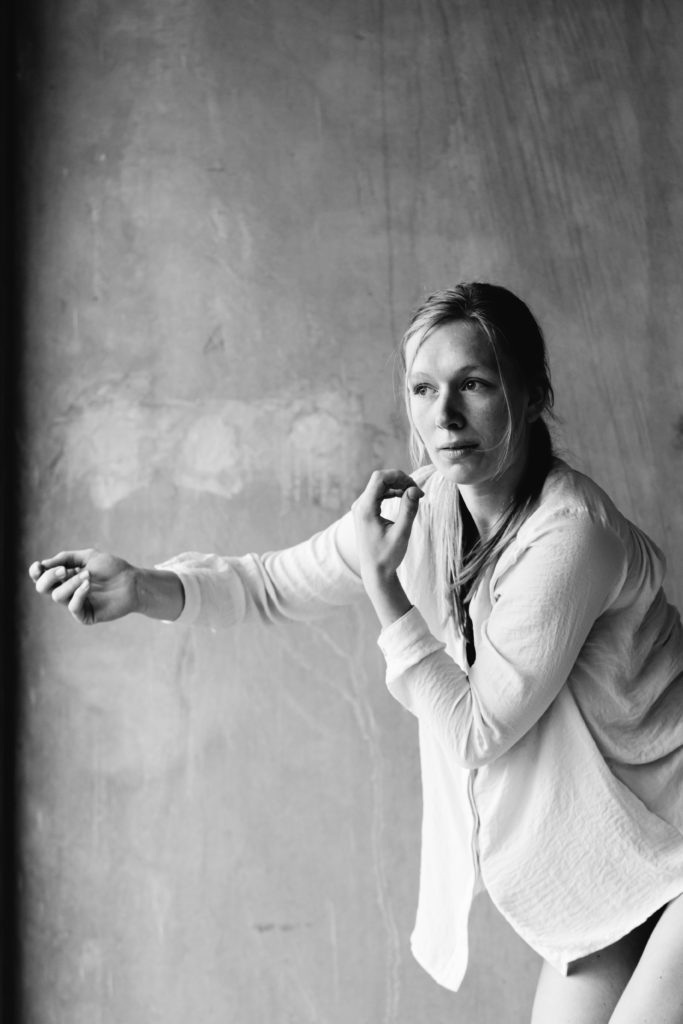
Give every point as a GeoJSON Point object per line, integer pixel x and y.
{"type": "Point", "coordinates": [499, 316]}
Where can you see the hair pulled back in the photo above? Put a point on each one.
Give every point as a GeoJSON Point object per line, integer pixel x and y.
{"type": "Point", "coordinates": [516, 339]}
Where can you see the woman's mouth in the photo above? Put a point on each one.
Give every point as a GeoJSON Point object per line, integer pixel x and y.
{"type": "Point", "coordinates": [456, 451]}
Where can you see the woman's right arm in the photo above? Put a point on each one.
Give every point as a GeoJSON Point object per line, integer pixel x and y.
{"type": "Point", "coordinates": [296, 583]}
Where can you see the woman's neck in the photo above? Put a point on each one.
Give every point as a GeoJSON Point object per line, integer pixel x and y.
{"type": "Point", "coordinates": [488, 501]}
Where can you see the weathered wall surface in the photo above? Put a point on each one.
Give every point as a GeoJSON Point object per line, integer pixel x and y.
{"type": "Point", "coordinates": [232, 209]}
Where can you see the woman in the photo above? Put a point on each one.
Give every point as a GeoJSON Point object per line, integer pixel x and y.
{"type": "Point", "coordinates": [524, 624]}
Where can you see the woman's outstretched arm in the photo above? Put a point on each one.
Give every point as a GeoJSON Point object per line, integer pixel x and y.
{"type": "Point", "coordinates": [297, 583]}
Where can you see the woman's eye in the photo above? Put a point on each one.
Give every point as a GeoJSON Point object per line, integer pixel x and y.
{"type": "Point", "coordinates": [421, 389]}
{"type": "Point", "coordinates": [473, 385]}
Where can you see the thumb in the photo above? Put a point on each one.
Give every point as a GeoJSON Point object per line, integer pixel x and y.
{"type": "Point", "coordinates": [410, 502]}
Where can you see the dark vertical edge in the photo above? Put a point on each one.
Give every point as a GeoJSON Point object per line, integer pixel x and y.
{"type": "Point", "coordinates": [9, 686]}
{"type": "Point", "coordinates": [15, 111]}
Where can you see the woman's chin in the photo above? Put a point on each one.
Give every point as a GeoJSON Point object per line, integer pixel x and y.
{"type": "Point", "coordinates": [459, 468]}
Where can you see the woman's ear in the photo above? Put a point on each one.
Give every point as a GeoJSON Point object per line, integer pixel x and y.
{"type": "Point", "coordinates": [535, 403]}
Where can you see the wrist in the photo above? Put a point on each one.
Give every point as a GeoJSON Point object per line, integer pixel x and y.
{"type": "Point", "coordinates": [158, 593]}
{"type": "Point", "coordinates": [387, 595]}
{"type": "Point", "coordinates": [140, 590]}
{"type": "Point", "coordinates": [378, 574]}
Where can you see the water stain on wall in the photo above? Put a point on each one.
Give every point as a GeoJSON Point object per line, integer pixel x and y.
{"type": "Point", "coordinates": [678, 434]}
{"type": "Point", "coordinates": [317, 447]}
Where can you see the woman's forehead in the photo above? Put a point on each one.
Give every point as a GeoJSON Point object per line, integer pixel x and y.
{"type": "Point", "coordinates": [454, 343]}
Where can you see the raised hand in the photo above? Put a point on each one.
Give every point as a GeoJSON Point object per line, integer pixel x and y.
{"type": "Point", "coordinates": [92, 585]}
{"type": "Point", "coordinates": [382, 544]}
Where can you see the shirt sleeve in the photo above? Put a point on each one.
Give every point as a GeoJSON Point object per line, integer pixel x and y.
{"type": "Point", "coordinates": [544, 605]}
{"type": "Point", "coordinates": [298, 583]}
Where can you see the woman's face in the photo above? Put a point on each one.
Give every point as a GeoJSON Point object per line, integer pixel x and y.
{"type": "Point", "coordinates": [460, 409]}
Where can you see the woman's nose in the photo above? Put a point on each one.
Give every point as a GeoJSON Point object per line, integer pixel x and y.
{"type": "Point", "coordinates": [449, 414]}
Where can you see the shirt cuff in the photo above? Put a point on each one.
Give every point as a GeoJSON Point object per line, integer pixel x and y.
{"type": "Point", "coordinates": [190, 586]}
{"type": "Point", "coordinates": [406, 642]}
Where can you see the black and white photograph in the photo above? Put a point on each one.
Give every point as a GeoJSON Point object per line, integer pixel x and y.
{"type": "Point", "coordinates": [342, 521]}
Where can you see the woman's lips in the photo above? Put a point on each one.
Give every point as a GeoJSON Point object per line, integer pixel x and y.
{"type": "Point", "coordinates": [456, 451]}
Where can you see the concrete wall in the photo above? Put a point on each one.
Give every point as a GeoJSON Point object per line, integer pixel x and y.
{"type": "Point", "coordinates": [231, 208]}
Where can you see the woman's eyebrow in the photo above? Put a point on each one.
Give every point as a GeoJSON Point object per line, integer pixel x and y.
{"type": "Point", "coordinates": [414, 374]}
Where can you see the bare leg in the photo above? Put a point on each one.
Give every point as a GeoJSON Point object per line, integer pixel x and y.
{"type": "Point", "coordinates": [654, 995]}
{"type": "Point", "coordinates": [592, 989]}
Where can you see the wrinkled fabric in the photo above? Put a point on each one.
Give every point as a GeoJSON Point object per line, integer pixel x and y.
{"type": "Point", "coordinates": [551, 767]}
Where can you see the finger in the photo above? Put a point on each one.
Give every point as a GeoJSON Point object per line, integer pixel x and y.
{"type": "Point", "coordinates": [385, 483]}
{"type": "Point", "coordinates": [63, 593]}
{"type": "Point", "coordinates": [52, 578]}
{"type": "Point", "coordinates": [394, 492]}
{"type": "Point", "coordinates": [78, 606]}
{"type": "Point", "coordinates": [35, 570]}
{"type": "Point", "coordinates": [69, 559]}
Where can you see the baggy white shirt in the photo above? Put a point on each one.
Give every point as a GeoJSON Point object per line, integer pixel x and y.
{"type": "Point", "coordinates": [552, 768]}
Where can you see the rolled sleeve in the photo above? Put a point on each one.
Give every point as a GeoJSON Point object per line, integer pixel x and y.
{"type": "Point", "coordinates": [406, 642]}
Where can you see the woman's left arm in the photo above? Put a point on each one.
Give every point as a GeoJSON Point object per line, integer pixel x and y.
{"type": "Point", "coordinates": [545, 605]}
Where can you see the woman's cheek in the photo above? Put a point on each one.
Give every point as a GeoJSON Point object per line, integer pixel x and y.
{"type": "Point", "coordinates": [417, 422]}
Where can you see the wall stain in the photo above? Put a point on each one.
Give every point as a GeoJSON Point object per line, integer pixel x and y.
{"type": "Point", "coordinates": [215, 342]}
{"type": "Point", "coordinates": [678, 434]}
{"type": "Point", "coordinates": [318, 449]}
